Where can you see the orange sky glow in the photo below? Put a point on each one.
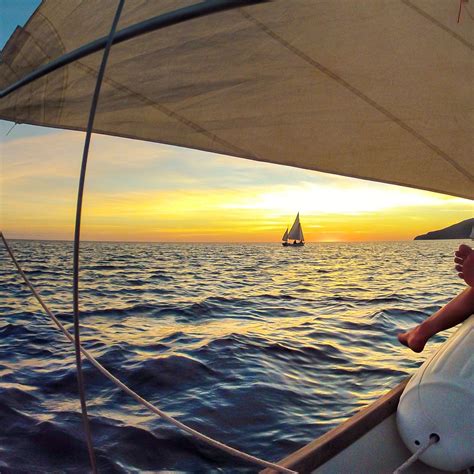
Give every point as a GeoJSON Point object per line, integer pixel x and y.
{"type": "Point", "coordinates": [140, 191]}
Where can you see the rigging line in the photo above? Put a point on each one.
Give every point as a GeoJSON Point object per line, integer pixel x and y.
{"type": "Point", "coordinates": [460, 9]}
{"type": "Point", "coordinates": [437, 23]}
{"type": "Point", "coordinates": [433, 439]}
{"type": "Point", "coordinates": [11, 128]}
{"type": "Point", "coordinates": [357, 92]}
{"type": "Point", "coordinates": [200, 436]}
{"type": "Point", "coordinates": [191, 12]}
{"type": "Point", "coordinates": [77, 236]}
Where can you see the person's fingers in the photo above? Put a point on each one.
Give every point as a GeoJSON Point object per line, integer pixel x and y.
{"type": "Point", "coordinates": [461, 275]}
{"type": "Point", "coordinates": [458, 268]}
{"type": "Point", "coordinates": [459, 260]}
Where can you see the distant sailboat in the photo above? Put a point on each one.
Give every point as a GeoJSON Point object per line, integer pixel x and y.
{"type": "Point", "coordinates": [295, 234]}
{"type": "Point", "coordinates": [472, 233]}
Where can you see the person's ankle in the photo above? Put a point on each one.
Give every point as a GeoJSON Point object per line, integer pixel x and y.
{"type": "Point", "coordinates": [424, 330]}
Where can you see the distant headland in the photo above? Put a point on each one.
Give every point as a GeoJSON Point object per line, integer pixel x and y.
{"type": "Point", "coordinates": [461, 230]}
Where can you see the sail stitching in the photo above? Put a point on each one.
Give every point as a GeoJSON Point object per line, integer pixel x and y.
{"type": "Point", "coordinates": [332, 75]}
{"type": "Point", "coordinates": [24, 59]}
{"type": "Point", "coordinates": [438, 24]}
{"type": "Point", "coordinates": [39, 45]}
{"type": "Point", "coordinates": [170, 113]}
{"type": "Point", "coordinates": [471, 16]}
{"type": "Point", "coordinates": [63, 50]}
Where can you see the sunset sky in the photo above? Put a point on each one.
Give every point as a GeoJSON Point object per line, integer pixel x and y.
{"type": "Point", "coordinates": [149, 192]}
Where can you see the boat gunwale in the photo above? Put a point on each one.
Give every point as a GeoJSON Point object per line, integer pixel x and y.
{"type": "Point", "coordinates": [330, 444]}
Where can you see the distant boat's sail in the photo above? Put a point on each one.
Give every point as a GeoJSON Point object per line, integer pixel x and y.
{"type": "Point", "coordinates": [296, 232]}
{"type": "Point", "coordinates": [472, 233]}
{"type": "Point", "coordinates": [285, 235]}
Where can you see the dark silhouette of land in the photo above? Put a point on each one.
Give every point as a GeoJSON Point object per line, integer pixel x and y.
{"type": "Point", "coordinates": [461, 230]}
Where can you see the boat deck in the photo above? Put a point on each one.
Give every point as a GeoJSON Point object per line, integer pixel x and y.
{"type": "Point", "coordinates": [366, 443]}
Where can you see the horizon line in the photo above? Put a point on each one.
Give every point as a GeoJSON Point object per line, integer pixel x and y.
{"type": "Point", "coordinates": [219, 242]}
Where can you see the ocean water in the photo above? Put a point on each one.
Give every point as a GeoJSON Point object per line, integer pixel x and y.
{"type": "Point", "coordinates": [262, 347]}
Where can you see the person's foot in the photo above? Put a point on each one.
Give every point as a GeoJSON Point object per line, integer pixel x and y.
{"type": "Point", "coordinates": [413, 339]}
{"type": "Point", "coordinates": [465, 264]}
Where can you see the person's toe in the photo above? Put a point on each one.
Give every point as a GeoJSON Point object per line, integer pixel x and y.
{"type": "Point", "coordinates": [463, 251]}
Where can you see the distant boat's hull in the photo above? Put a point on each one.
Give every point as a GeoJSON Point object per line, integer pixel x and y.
{"type": "Point", "coordinates": [298, 244]}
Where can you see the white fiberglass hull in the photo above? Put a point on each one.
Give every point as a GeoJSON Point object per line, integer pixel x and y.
{"type": "Point", "coordinates": [381, 450]}
{"type": "Point", "coordinates": [366, 443]}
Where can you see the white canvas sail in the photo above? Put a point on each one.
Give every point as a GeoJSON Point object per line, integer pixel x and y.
{"type": "Point", "coordinates": [373, 89]}
{"type": "Point", "coordinates": [296, 232]}
{"type": "Point", "coordinates": [285, 235]}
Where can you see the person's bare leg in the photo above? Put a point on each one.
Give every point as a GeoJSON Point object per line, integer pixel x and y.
{"type": "Point", "coordinates": [455, 312]}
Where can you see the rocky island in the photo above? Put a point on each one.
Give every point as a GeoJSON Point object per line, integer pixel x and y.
{"type": "Point", "coordinates": [461, 230]}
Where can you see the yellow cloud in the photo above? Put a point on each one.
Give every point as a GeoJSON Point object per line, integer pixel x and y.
{"type": "Point", "coordinates": [314, 198]}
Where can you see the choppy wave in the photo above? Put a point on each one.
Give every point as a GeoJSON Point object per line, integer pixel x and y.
{"type": "Point", "coordinates": [263, 347]}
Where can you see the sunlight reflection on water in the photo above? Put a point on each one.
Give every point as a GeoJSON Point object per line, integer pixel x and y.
{"type": "Point", "coordinates": [261, 346]}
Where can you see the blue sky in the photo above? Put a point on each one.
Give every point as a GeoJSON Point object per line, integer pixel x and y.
{"type": "Point", "coordinates": [12, 14]}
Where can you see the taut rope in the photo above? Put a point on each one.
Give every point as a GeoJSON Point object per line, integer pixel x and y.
{"type": "Point", "coordinates": [433, 439]}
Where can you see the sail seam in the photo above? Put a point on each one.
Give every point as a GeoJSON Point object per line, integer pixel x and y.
{"type": "Point", "coordinates": [438, 24]}
{"type": "Point", "coordinates": [65, 69]}
{"type": "Point", "coordinates": [380, 108]}
{"type": "Point", "coordinates": [165, 110]}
